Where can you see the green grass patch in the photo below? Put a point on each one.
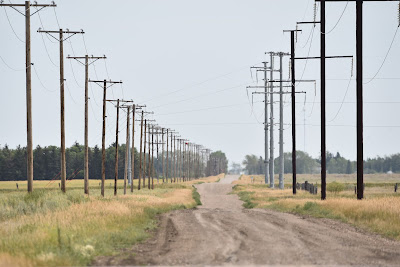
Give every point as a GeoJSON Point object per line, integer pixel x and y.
{"type": "Point", "coordinates": [196, 196]}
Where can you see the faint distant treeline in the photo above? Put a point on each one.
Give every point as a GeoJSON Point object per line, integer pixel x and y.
{"type": "Point", "coordinates": [46, 163]}
{"type": "Point", "coordinates": [335, 164]}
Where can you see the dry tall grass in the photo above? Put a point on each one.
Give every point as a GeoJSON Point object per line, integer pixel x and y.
{"type": "Point", "coordinates": [49, 228]}
{"type": "Point", "coordinates": [378, 212]}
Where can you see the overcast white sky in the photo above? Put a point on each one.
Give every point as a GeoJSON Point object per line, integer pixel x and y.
{"type": "Point", "coordinates": [188, 61]}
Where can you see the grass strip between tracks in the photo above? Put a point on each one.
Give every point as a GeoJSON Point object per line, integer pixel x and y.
{"type": "Point", "coordinates": [379, 212]}
{"type": "Point", "coordinates": [49, 228]}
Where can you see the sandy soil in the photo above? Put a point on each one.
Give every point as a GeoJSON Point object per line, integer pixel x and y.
{"type": "Point", "coordinates": [222, 232]}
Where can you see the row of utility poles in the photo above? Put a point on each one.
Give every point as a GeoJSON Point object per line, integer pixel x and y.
{"type": "Point", "coordinates": [269, 92]}
{"type": "Point", "coordinates": [187, 159]}
{"type": "Point", "coordinates": [177, 159]}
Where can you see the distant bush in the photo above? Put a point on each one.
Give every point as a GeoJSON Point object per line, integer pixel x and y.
{"type": "Point", "coordinates": [335, 187]}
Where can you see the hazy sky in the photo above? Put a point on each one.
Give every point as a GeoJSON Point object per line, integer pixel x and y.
{"type": "Point", "coordinates": [189, 62]}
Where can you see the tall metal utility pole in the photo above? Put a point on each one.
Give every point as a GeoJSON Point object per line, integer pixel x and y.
{"type": "Point", "coordinates": [86, 64]}
{"type": "Point", "coordinates": [166, 172]}
{"type": "Point", "coordinates": [103, 139]}
{"type": "Point", "coordinates": [175, 158]}
{"type": "Point", "coordinates": [28, 65]}
{"type": "Point", "coordinates": [266, 127]}
{"type": "Point", "coordinates": [281, 154]}
{"type": "Point", "coordinates": [162, 154]}
{"type": "Point", "coordinates": [152, 158]}
{"type": "Point", "coordinates": [61, 40]}
{"type": "Point", "coordinates": [127, 169]}
{"type": "Point", "coordinates": [179, 159]}
{"type": "Point", "coordinates": [271, 146]}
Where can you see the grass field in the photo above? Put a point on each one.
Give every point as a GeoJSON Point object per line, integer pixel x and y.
{"type": "Point", "coordinates": [50, 228]}
{"type": "Point", "coordinates": [378, 212]}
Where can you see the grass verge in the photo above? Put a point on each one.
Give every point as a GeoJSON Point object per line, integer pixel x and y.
{"type": "Point", "coordinates": [50, 228]}
{"type": "Point", "coordinates": [379, 212]}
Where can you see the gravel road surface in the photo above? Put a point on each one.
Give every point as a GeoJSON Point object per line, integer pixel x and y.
{"type": "Point", "coordinates": [222, 232]}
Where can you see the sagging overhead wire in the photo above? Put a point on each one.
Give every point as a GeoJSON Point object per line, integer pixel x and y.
{"type": "Point", "coordinates": [387, 54]}
{"type": "Point", "coordinates": [313, 103]}
{"type": "Point", "coordinates": [340, 18]}
{"type": "Point", "coordinates": [47, 52]}
{"type": "Point", "coordinates": [12, 28]}
{"type": "Point", "coordinates": [41, 23]}
{"type": "Point", "coordinates": [11, 68]}
{"type": "Point", "coordinates": [40, 81]}
{"type": "Point", "coordinates": [345, 94]}
{"type": "Point", "coordinates": [205, 94]}
{"type": "Point", "coordinates": [196, 84]}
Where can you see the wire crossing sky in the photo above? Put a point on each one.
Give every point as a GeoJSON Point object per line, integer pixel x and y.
{"type": "Point", "coordinates": [189, 62]}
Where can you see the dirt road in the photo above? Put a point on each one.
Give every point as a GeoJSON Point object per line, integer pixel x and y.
{"type": "Point", "coordinates": [221, 232]}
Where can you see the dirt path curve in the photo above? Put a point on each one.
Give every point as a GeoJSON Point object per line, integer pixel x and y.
{"type": "Point", "coordinates": [221, 232]}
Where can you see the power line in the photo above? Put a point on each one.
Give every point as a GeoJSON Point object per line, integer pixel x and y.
{"type": "Point", "coordinates": [11, 68]}
{"type": "Point", "coordinates": [387, 53]}
{"type": "Point", "coordinates": [40, 81]}
{"type": "Point", "coordinates": [341, 105]}
{"type": "Point", "coordinates": [12, 28]}
{"type": "Point", "coordinates": [340, 18]}
{"type": "Point", "coordinates": [203, 109]}
{"type": "Point", "coordinates": [210, 93]}
{"type": "Point", "coordinates": [196, 84]}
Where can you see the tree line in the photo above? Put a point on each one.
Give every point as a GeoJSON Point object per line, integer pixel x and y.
{"type": "Point", "coordinates": [47, 163]}
{"type": "Point", "coordinates": [335, 164]}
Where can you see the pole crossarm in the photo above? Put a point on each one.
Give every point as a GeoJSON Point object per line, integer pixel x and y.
{"type": "Point", "coordinates": [308, 22]}
{"type": "Point", "coordinates": [277, 93]}
{"type": "Point", "coordinates": [288, 81]}
{"type": "Point", "coordinates": [356, 0]}
{"type": "Point", "coordinates": [120, 100]}
{"type": "Point", "coordinates": [292, 31]}
{"type": "Point", "coordinates": [71, 33]}
{"type": "Point", "coordinates": [278, 54]}
{"type": "Point", "coordinates": [105, 82]}
{"type": "Point", "coordinates": [88, 57]}
{"type": "Point", "coordinates": [32, 5]}
{"type": "Point", "coordinates": [325, 57]}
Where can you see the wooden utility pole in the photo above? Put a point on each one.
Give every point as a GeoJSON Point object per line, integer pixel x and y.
{"type": "Point", "coordinates": [149, 164]}
{"type": "Point", "coordinates": [293, 96]}
{"type": "Point", "coordinates": [189, 148]}
{"type": "Point", "coordinates": [127, 147]}
{"type": "Point", "coordinates": [86, 164]}
{"type": "Point", "coordinates": [152, 157]}
{"type": "Point", "coordinates": [103, 138]}
{"type": "Point", "coordinates": [133, 146]}
{"type": "Point", "coordinates": [174, 155]}
{"type": "Point", "coordinates": [61, 40]}
{"type": "Point", "coordinates": [140, 151]}
{"type": "Point", "coordinates": [144, 154]}
{"type": "Point", "coordinates": [162, 154]}
{"type": "Point", "coordinates": [166, 173]}
{"type": "Point", "coordinates": [116, 150]}
{"type": "Point", "coordinates": [179, 160]}
{"type": "Point", "coordinates": [359, 58]}
{"type": "Point", "coordinates": [28, 65]}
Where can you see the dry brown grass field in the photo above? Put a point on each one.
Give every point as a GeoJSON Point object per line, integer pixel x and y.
{"type": "Point", "coordinates": [52, 228]}
{"type": "Point", "coordinates": [378, 212]}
